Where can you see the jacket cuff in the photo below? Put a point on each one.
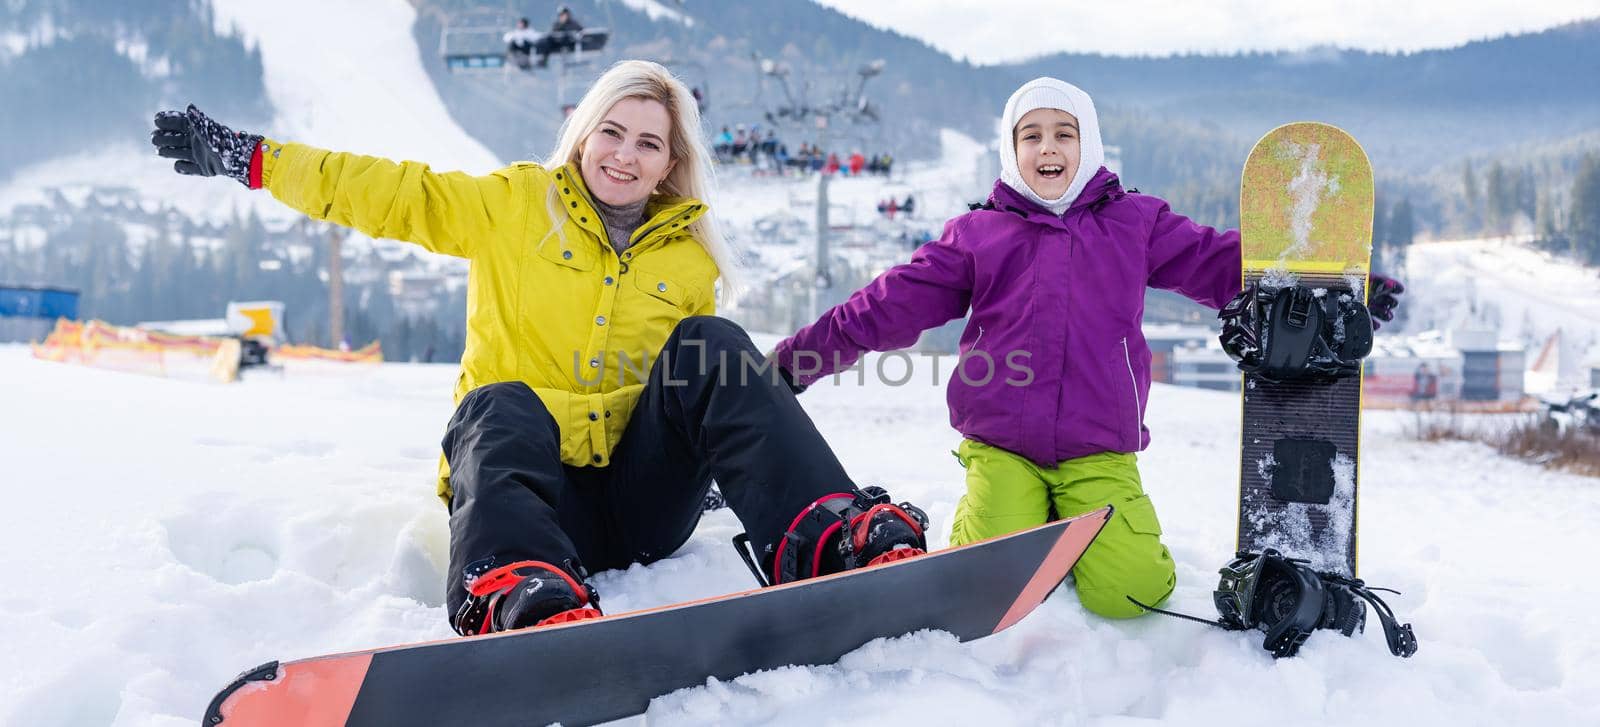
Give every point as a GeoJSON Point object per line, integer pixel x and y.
{"type": "Point", "coordinates": [264, 163]}
{"type": "Point", "coordinates": [786, 357]}
{"type": "Point", "coordinates": [254, 180]}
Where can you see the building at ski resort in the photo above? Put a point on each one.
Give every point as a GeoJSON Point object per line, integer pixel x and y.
{"type": "Point", "coordinates": [28, 313]}
{"type": "Point", "coordinates": [1470, 367]}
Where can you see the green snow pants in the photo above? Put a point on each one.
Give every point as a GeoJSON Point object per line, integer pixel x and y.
{"type": "Point", "coordinates": [1006, 492]}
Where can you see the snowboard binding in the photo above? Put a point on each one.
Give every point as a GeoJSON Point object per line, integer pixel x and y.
{"type": "Point", "coordinates": [840, 532]}
{"type": "Point", "coordinates": [524, 594]}
{"type": "Point", "coordinates": [1288, 600]}
{"type": "Point", "coordinates": [1296, 333]}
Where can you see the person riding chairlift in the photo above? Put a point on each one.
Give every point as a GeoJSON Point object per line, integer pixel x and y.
{"type": "Point", "coordinates": [562, 38]}
{"type": "Point", "coordinates": [520, 42]}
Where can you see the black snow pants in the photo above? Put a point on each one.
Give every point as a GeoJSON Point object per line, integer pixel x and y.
{"type": "Point", "coordinates": [706, 412]}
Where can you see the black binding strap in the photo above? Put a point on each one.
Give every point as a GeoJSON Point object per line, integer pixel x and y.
{"type": "Point", "coordinates": [741, 543]}
{"type": "Point", "coordinates": [1402, 639]}
{"type": "Point", "coordinates": [1218, 623]}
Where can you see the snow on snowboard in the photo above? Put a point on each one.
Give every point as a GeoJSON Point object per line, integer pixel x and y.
{"type": "Point", "coordinates": [605, 669]}
{"type": "Point", "coordinates": [1305, 216]}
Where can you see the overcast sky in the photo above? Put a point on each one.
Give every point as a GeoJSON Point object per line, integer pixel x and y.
{"type": "Point", "coordinates": [987, 31]}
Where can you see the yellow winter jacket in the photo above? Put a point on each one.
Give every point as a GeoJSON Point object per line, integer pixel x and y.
{"type": "Point", "coordinates": [549, 301]}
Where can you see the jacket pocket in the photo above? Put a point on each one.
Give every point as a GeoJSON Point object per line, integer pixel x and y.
{"type": "Point", "coordinates": [577, 259]}
{"type": "Point", "coordinates": [662, 287]}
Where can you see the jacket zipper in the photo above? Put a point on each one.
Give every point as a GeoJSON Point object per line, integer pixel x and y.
{"type": "Point", "coordinates": [637, 236]}
{"type": "Point", "coordinates": [605, 234]}
{"type": "Point", "coordinates": [1134, 381]}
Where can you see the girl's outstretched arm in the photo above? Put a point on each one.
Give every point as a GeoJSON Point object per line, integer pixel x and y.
{"type": "Point", "coordinates": [1192, 259]}
{"type": "Point", "coordinates": [889, 313]}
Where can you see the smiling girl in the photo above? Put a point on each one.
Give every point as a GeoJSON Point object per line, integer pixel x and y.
{"type": "Point", "coordinates": [1053, 270]}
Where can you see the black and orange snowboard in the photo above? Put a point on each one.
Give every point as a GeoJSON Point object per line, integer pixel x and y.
{"type": "Point", "coordinates": [605, 669]}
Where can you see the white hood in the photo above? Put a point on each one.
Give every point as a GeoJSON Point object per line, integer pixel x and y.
{"type": "Point", "coordinates": [1049, 93]}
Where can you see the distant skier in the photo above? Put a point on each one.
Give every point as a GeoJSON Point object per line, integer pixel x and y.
{"type": "Point", "coordinates": [1424, 383]}
{"type": "Point", "coordinates": [1055, 373]}
{"type": "Point", "coordinates": [520, 42]}
{"type": "Point", "coordinates": [858, 162]}
{"type": "Point", "coordinates": [588, 270]}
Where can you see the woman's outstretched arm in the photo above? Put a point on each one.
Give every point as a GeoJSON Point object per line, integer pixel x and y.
{"type": "Point", "coordinates": [449, 213]}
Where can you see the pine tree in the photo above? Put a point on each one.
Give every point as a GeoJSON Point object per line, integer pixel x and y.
{"type": "Point", "coordinates": [1527, 195]}
{"type": "Point", "coordinates": [1584, 223]}
{"type": "Point", "coordinates": [1469, 188]}
{"type": "Point", "coordinates": [1547, 222]}
{"type": "Point", "coordinates": [1402, 224]}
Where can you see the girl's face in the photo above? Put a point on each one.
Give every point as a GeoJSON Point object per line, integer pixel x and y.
{"type": "Point", "coordinates": [1048, 151]}
{"type": "Point", "coordinates": [627, 155]}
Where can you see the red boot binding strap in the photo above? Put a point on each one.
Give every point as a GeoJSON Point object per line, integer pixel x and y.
{"type": "Point", "coordinates": [570, 615]}
{"type": "Point", "coordinates": [777, 560]}
{"type": "Point", "coordinates": [896, 554]}
{"type": "Point", "coordinates": [504, 578]}
{"type": "Point", "coordinates": [859, 534]}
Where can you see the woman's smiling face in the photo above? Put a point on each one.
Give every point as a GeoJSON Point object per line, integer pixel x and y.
{"type": "Point", "coordinates": [629, 153]}
{"type": "Point", "coordinates": [1048, 151]}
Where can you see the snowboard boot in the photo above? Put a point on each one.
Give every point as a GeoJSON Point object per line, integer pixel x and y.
{"type": "Point", "coordinates": [845, 531]}
{"type": "Point", "coordinates": [524, 594]}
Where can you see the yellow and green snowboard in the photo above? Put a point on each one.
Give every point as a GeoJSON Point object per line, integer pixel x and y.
{"type": "Point", "coordinates": [1305, 213]}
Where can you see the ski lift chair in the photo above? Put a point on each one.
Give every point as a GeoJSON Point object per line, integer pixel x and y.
{"type": "Point", "coordinates": [576, 44]}
{"type": "Point", "coordinates": [473, 47]}
{"type": "Point", "coordinates": [482, 47]}
{"type": "Point", "coordinates": [589, 40]}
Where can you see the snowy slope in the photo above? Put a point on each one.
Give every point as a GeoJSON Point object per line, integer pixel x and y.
{"type": "Point", "coordinates": [1507, 284]}
{"type": "Point", "coordinates": [347, 75]}
{"type": "Point", "coordinates": [658, 11]}
{"type": "Point", "coordinates": [163, 536]}
{"type": "Point", "coordinates": [342, 74]}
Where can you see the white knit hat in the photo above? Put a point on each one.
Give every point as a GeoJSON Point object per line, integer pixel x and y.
{"type": "Point", "coordinates": [1049, 93]}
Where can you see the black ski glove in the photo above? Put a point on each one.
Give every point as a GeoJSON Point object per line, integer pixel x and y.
{"type": "Point", "coordinates": [1382, 296]}
{"type": "Point", "coordinates": [203, 147]}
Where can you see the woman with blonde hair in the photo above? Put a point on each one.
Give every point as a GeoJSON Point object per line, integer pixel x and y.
{"type": "Point", "coordinates": [599, 396]}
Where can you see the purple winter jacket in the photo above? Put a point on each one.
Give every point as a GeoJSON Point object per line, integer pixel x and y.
{"type": "Point", "coordinates": [1055, 364]}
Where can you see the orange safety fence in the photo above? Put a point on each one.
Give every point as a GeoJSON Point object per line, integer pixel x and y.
{"type": "Point", "coordinates": [102, 345]}
{"type": "Point", "coordinates": [371, 353]}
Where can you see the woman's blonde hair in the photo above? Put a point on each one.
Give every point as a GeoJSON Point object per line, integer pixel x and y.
{"type": "Point", "coordinates": [691, 176]}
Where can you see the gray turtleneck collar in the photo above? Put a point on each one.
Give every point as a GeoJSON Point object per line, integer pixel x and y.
{"type": "Point", "coordinates": [621, 222]}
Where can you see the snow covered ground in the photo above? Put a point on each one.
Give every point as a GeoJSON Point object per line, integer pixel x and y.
{"type": "Point", "coordinates": [161, 536]}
